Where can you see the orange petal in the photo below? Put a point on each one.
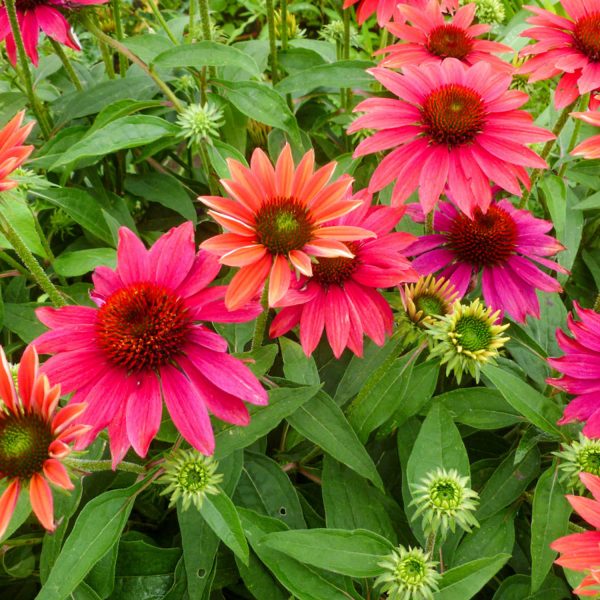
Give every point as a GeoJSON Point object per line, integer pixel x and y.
{"type": "Point", "coordinates": [224, 242]}
{"type": "Point", "coordinates": [28, 370]}
{"type": "Point", "coordinates": [241, 257]}
{"type": "Point", "coordinates": [231, 223]}
{"type": "Point", "coordinates": [592, 483]}
{"type": "Point", "coordinates": [50, 402]}
{"type": "Point", "coordinates": [57, 474]}
{"type": "Point", "coordinates": [279, 280]}
{"type": "Point", "coordinates": [344, 233]}
{"type": "Point", "coordinates": [228, 207]}
{"type": "Point", "coordinates": [284, 172]}
{"type": "Point", "coordinates": [327, 248]}
{"type": "Point", "coordinates": [303, 173]}
{"type": "Point", "coordinates": [58, 449]}
{"type": "Point", "coordinates": [301, 262]}
{"type": "Point", "coordinates": [7, 386]}
{"type": "Point", "coordinates": [245, 187]}
{"type": "Point", "coordinates": [316, 183]}
{"type": "Point", "coordinates": [263, 169]}
{"type": "Point", "coordinates": [40, 495]}
{"type": "Point", "coordinates": [586, 507]}
{"type": "Point", "coordinates": [332, 194]}
{"type": "Point", "coordinates": [66, 416]}
{"type": "Point", "coordinates": [247, 283]}
{"type": "Point", "coordinates": [8, 501]}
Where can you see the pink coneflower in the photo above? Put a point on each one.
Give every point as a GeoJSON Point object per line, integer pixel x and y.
{"type": "Point", "coordinates": [503, 245]}
{"type": "Point", "coordinates": [36, 15]}
{"type": "Point", "coordinates": [570, 46]}
{"type": "Point", "coordinates": [34, 438]}
{"type": "Point", "coordinates": [341, 296]}
{"type": "Point", "coordinates": [12, 151]}
{"type": "Point", "coordinates": [429, 38]}
{"type": "Point", "coordinates": [276, 219]}
{"type": "Point", "coordinates": [581, 551]}
{"type": "Point", "coordinates": [145, 341]}
{"type": "Point", "coordinates": [580, 367]}
{"type": "Point", "coordinates": [365, 8]}
{"type": "Point", "coordinates": [590, 148]}
{"type": "Point", "coordinates": [453, 126]}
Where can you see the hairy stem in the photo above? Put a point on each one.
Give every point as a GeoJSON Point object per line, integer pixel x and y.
{"type": "Point", "coordinates": [69, 70]}
{"type": "Point", "coordinates": [272, 41]}
{"type": "Point", "coordinates": [162, 22]}
{"type": "Point", "coordinates": [261, 321]}
{"type": "Point", "coordinates": [116, 6]}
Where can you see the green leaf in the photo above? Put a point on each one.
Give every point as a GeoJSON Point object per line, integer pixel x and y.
{"type": "Point", "coordinates": [220, 513]}
{"type": "Point", "coordinates": [259, 581]}
{"type": "Point", "coordinates": [80, 262]}
{"type": "Point", "coordinates": [17, 212]}
{"type": "Point", "coordinates": [206, 54]}
{"type": "Point", "coordinates": [260, 360]}
{"type": "Point", "coordinates": [550, 520]}
{"type": "Point", "coordinates": [21, 319]}
{"type": "Point", "coordinates": [121, 108]}
{"type": "Point", "coordinates": [538, 409]}
{"type": "Point", "coordinates": [354, 553]}
{"type": "Point", "coordinates": [148, 45]}
{"type": "Point", "coordinates": [297, 366]}
{"type": "Point", "coordinates": [97, 528]}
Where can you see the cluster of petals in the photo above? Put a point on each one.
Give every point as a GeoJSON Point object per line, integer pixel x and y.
{"type": "Point", "coordinates": [33, 412]}
{"type": "Point", "coordinates": [589, 148]}
{"type": "Point", "coordinates": [452, 127]}
{"type": "Point", "coordinates": [13, 152]}
{"type": "Point", "coordinates": [565, 45]}
{"type": "Point", "coordinates": [581, 551]}
{"type": "Point", "coordinates": [146, 340]}
{"type": "Point", "coordinates": [341, 297]}
{"type": "Point", "coordinates": [275, 222]}
{"type": "Point", "coordinates": [580, 366]}
{"type": "Point", "coordinates": [503, 245]}
{"type": "Point", "coordinates": [386, 9]}
{"type": "Point", "coordinates": [39, 15]}
{"type": "Point", "coordinates": [428, 37]}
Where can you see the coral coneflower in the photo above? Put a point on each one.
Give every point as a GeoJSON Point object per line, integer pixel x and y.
{"type": "Point", "coordinates": [12, 151]}
{"type": "Point", "coordinates": [146, 341]}
{"type": "Point", "coordinates": [341, 296]}
{"type": "Point", "coordinates": [34, 438]}
{"type": "Point", "coordinates": [580, 367]}
{"type": "Point", "coordinates": [276, 218]}
{"type": "Point", "coordinates": [504, 245]}
{"type": "Point", "coordinates": [581, 551]}
{"type": "Point", "coordinates": [590, 148]}
{"type": "Point", "coordinates": [36, 15]}
{"type": "Point", "coordinates": [428, 37]}
{"type": "Point", "coordinates": [568, 46]}
{"type": "Point", "coordinates": [365, 8]}
{"type": "Point", "coordinates": [453, 126]}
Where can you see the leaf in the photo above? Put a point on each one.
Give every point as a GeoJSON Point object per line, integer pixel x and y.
{"type": "Point", "coordinates": [322, 421]}
{"type": "Point", "coordinates": [354, 553]}
{"type": "Point", "coordinates": [297, 366]}
{"type": "Point", "coordinates": [80, 262]}
{"type": "Point", "coordinates": [97, 528]}
{"type": "Point", "coordinates": [205, 54]}
{"type": "Point", "coordinates": [147, 46]}
{"type": "Point", "coordinates": [21, 319]}
{"type": "Point", "coordinates": [19, 215]}
{"type": "Point", "coordinates": [538, 409]}
{"type": "Point", "coordinates": [259, 360]}
{"type": "Point", "coordinates": [549, 521]}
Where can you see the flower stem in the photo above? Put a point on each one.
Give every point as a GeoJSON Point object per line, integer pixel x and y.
{"type": "Point", "coordinates": [272, 41]}
{"type": "Point", "coordinates": [597, 304]}
{"type": "Point", "coordinates": [430, 543]}
{"type": "Point", "coordinates": [261, 321]}
{"type": "Point", "coordinates": [162, 22]}
{"type": "Point", "coordinates": [583, 101]}
{"type": "Point", "coordinates": [207, 36]}
{"type": "Point", "coordinates": [33, 266]}
{"type": "Point", "coordinates": [116, 6]}
{"type": "Point", "coordinates": [347, 92]}
{"type": "Point", "coordinates": [70, 71]}
{"type": "Point", "coordinates": [206, 164]}
{"type": "Point", "coordinates": [192, 22]}
{"type": "Point", "coordinates": [38, 108]}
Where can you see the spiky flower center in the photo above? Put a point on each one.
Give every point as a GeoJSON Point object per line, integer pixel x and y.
{"type": "Point", "coordinates": [412, 570]}
{"type": "Point", "coordinates": [143, 326]}
{"type": "Point", "coordinates": [453, 115]}
{"type": "Point", "coordinates": [446, 494]}
{"type": "Point", "coordinates": [335, 271]}
{"type": "Point", "coordinates": [589, 459]}
{"type": "Point", "coordinates": [283, 225]}
{"type": "Point", "coordinates": [193, 476]}
{"type": "Point", "coordinates": [587, 36]}
{"type": "Point", "coordinates": [486, 240]}
{"type": "Point", "coordinates": [449, 41]}
{"type": "Point", "coordinates": [474, 334]}
{"type": "Point", "coordinates": [24, 442]}
{"type": "Point", "coordinates": [430, 305]}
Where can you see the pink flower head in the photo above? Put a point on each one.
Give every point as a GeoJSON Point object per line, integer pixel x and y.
{"type": "Point", "coordinates": [146, 341]}
{"type": "Point", "coordinates": [341, 296]}
{"type": "Point", "coordinates": [590, 148]}
{"type": "Point", "coordinates": [570, 46]}
{"type": "Point", "coordinates": [34, 438]}
{"type": "Point", "coordinates": [429, 38]}
{"type": "Point", "coordinates": [504, 245]}
{"type": "Point", "coordinates": [36, 15]}
{"type": "Point", "coordinates": [451, 126]}
{"type": "Point", "coordinates": [276, 219]}
{"type": "Point", "coordinates": [581, 551]}
{"type": "Point", "coordinates": [580, 368]}
{"type": "Point", "coordinates": [385, 9]}
{"type": "Point", "coordinates": [12, 151]}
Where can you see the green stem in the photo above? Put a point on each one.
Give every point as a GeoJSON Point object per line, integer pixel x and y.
{"type": "Point", "coordinates": [429, 224]}
{"type": "Point", "coordinates": [430, 543]}
{"type": "Point", "coordinates": [192, 22]}
{"type": "Point", "coordinates": [33, 266]}
{"type": "Point", "coordinates": [103, 465]}
{"type": "Point", "coordinates": [9, 260]}
{"type": "Point", "coordinates": [597, 304]}
{"type": "Point", "coordinates": [70, 71]}
{"type": "Point", "coordinates": [38, 108]}
{"type": "Point", "coordinates": [284, 29]}
{"type": "Point", "coordinates": [108, 60]}
{"type": "Point", "coordinates": [261, 321]}
{"type": "Point", "coordinates": [162, 22]}
{"type": "Point", "coordinates": [207, 36]}
{"type": "Point", "coordinates": [347, 92]}
{"type": "Point", "coordinates": [272, 41]}
{"type": "Point", "coordinates": [116, 6]}
{"type": "Point", "coordinates": [206, 165]}
{"type": "Point", "coordinates": [45, 243]}
{"type": "Point", "coordinates": [583, 102]}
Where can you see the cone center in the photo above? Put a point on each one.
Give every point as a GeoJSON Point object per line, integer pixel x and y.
{"type": "Point", "coordinates": [449, 41]}
{"type": "Point", "coordinates": [587, 36]}
{"type": "Point", "coordinates": [335, 271]}
{"type": "Point", "coordinates": [473, 334]}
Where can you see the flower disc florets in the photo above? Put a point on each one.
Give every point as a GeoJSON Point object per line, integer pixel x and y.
{"type": "Point", "coordinates": [581, 456]}
{"type": "Point", "coordinates": [201, 122]}
{"type": "Point", "coordinates": [190, 476]}
{"type": "Point", "coordinates": [444, 500]}
{"type": "Point", "coordinates": [410, 575]}
{"type": "Point", "coordinates": [427, 299]}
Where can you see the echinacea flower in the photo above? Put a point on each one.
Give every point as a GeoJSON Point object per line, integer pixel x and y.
{"type": "Point", "coordinates": [36, 15]}
{"type": "Point", "coordinates": [147, 341]}
{"type": "Point", "coordinates": [504, 245]}
{"type": "Point", "coordinates": [12, 151]}
{"type": "Point", "coordinates": [580, 368]}
{"type": "Point", "coordinates": [34, 438]}
{"type": "Point", "coordinates": [581, 551]}
{"type": "Point", "coordinates": [453, 127]}
{"type": "Point", "coordinates": [589, 148]}
{"type": "Point", "coordinates": [565, 45]}
{"type": "Point", "coordinates": [276, 217]}
{"type": "Point", "coordinates": [429, 38]}
{"type": "Point", "coordinates": [383, 8]}
{"type": "Point", "coordinates": [427, 299]}
{"type": "Point", "coordinates": [341, 296]}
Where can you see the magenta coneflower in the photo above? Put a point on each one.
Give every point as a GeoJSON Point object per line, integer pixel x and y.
{"type": "Point", "coordinates": [452, 126]}
{"type": "Point", "coordinates": [36, 15]}
{"type": "Point", "coordinates": [580, 367]}
{"type": "Point", "coordinates": [589, 148]}
{"type": "Point", "coordinates": [503, 245]}
{"type": "Point", "coordinates": [428, 37]}
{"type": "Point", "coordinates": [570, 46]}
{"type": "Point", "coordinates": [341, 296]}
{"type": "Point", "coordinates": [146, 341]}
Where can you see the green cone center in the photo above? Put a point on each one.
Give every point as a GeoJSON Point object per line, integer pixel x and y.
{"type": "Point", "coordinates": [411, 571]}
{"type": "Point", "coordinates": [474, 334]}
{"type": "Point", "coordinates": [193, 477]}
{"type": "Point", "coordinates": [445, 494]}
{"type": "Point", "coordinates": [430, 305]}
